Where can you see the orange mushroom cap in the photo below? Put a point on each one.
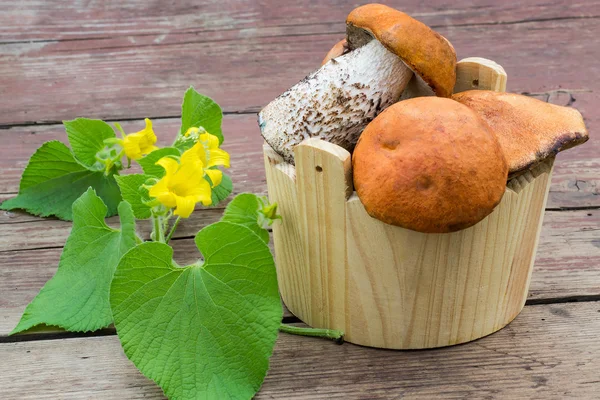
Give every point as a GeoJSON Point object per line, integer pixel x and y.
{"type": "Point", "coordinates": [427, 53]}
{"type": "Point", "coordinates": [429, 164]}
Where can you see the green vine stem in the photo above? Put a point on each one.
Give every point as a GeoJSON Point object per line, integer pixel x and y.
{"type": "Point", "coordinates": [332, 334]}
{"type": "Point", "coordinates": [173, 230]}
{"type": "Point", "coordinates": [158, 234]}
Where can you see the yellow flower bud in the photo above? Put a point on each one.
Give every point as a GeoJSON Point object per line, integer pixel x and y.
{"type": "Point", "coordinates": [138, 144]}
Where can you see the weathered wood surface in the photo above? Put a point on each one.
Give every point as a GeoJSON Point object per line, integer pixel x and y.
{"type": "Point", "coordinates": [125, 60]}
{"type": "Point", "coordinates": [547, 352]}
{"type": "Point", "coordinates": [66, 20]}
{"type": "Point", "coordinates": [101, 76]}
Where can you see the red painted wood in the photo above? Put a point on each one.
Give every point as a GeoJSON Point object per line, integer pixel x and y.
{"type": "Point", "coordinates": [123, 77]}
{"type": "Point", "coordinates": [68, 20]}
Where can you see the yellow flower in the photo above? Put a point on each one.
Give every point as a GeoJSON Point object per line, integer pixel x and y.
{"type": "Point", "coordinates": [207, 148]}
{"type": "Point", "coordinates": [138, 144]}
{"type": "Point", "coordinates": [183, 184]}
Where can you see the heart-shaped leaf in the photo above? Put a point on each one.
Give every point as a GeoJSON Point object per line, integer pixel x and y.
{"type": "Point", "coordinates": [76, 298]}
{"type": "Point", "coordinates": [53, 180]}
{"type": "Point", "coordinates": [205, 331]}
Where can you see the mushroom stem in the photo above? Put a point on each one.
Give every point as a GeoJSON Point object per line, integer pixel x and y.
{"type": "Point", "coordinates": [337, 101]}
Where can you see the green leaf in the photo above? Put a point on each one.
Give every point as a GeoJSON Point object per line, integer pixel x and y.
{"type": "Point", "coordinates": [203, 331]}
{"type": "Point", "coordinates": [86, 137]}
{"type": "Point", "coordinates": [148, 163]}
{"type": "Point", "coordinates": [222, 191]}
{"type": "Point", "coordinates": [77, 297]}
{"type": "Point", "coordinates": [199, 110]}
{"type": "Point", "coordinates": [53, 180]}
{"type": "Point", "coordinates": [244, 209]}
{"type": "Point", "coordinates": [136, 195]}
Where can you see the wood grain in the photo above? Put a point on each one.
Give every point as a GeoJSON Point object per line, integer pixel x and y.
{"type": "Point", "coordinates": [278, 173]}
{"type": "Point", "coordinates": [37, 20]}
{"type": "Point", "coordinates": [101, 77]}
{"type": "Point", "coordinates": [473, 73]}
{"type": "Point", "coordinates": [549, 352]}
{"type": "Point", "coordinates": [127, 60]}
{"type": "Point", "coordinates": [323, 183]}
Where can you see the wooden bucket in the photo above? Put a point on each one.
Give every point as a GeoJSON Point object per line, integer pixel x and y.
{"type": "Point", "coordinates": [390, 287]}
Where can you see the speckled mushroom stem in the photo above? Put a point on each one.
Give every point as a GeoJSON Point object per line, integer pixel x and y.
{"type": "Point", "coordinates": [337, 101]}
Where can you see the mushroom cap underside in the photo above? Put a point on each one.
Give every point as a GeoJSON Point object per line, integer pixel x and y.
{"type": "Point", "coordinates": [528, 130]}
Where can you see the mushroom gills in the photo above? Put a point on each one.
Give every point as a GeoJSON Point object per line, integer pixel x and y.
{"type": "Point", "coordinates": [337, 101]}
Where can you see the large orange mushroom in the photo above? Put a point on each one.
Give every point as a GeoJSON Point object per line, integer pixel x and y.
{"type": "Point", "coordinates": [339, 99]}
{"type": "Point", "coordinates": [429, 164]}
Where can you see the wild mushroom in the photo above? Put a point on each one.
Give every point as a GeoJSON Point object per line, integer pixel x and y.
{"type": "Point", "coordinates": [339, 99]}
{"type": "Point", "coordinates": [339, 49]}
{"type": "Point", "coordinates": [528, 130]}
{"type": "Point", "coordinates": [429, 164]}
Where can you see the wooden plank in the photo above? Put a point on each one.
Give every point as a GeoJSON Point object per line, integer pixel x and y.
{"type": "Point", "coordinates": [549, 351]}
{"type": "Point", "coordinates": [575, 182]}
{"type": "Point", "coordinates": [242, 141]}
{"type": "Point", "coordinates": [566, 265]}
{"type": "Point", "coordinates": [101, 77]}
{"type": "Point", "coordinates": [65, 20]}
{"type": "Point", "coordinates": [51, 233]}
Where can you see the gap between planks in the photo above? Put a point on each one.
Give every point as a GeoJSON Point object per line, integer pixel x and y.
{"type": "Point", "coordinates": [105, 22]}
{"type": "Point", "coordinates": [549, 351]}
{"type": "Point", "coordinates": [195, 34]}
{"type": "Point", "coordinates": [252, 110]}
{"type": "Point", "coordinates": [52, 333]}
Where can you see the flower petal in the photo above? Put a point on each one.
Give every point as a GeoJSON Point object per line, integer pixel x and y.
{"type": "Point", "coordinates": [170, 165]}
{"type": "Point", "coordinates": [198, 152]}
{"type": "Point", "coordinates": [190, 171]}
{"type": "Point", "coordinates": [204, 193]}
{"type": "Point", "coordinates": [215, 176]}
{"type": "Point", "coordinates": [185, 205]}
{"type": "Point", "coordinates": [218, 157]}
{"type": "Point", "coordinates": [161, 192]}
{"type": "Point", "coordinates": [193, 156]}
{"type": "Point", "coordinates": [148, 138]}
